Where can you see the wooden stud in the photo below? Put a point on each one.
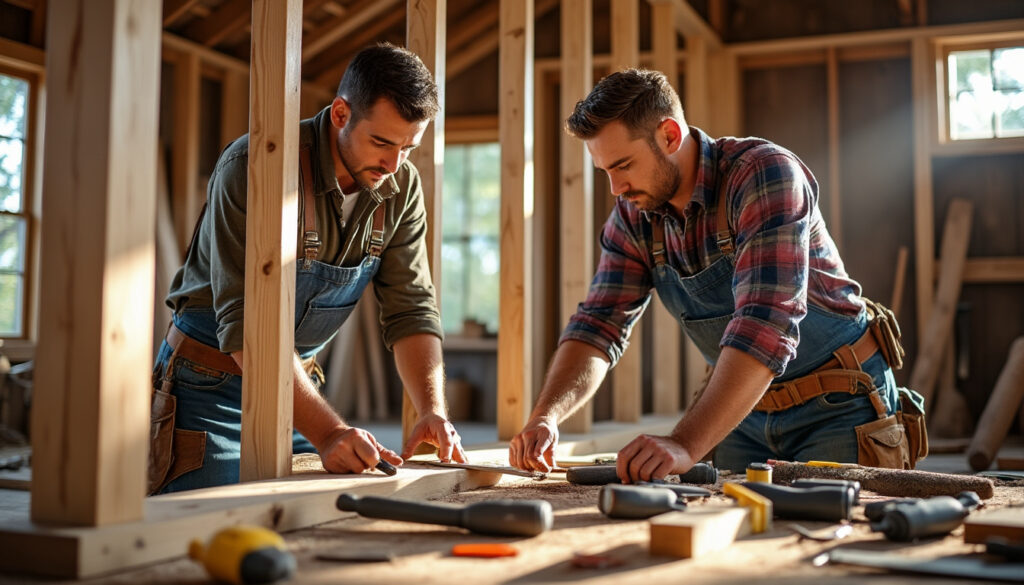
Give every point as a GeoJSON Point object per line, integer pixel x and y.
{"type": "Point", "coordinates": [515, 110]}
{"type": "Point", "coordinates": [666, 376]}
{"type": "Point", "coordinates": [899, 280]}
{"type": "Point", "coordinates": [835, 215]}
{"type": "Point", "coordinates": [229, 17]}
{"type": "Point", "coordinates": [175, 9]}
{"type": "Point", "coordinates": [486, 42]}
{"type": "Point", "coordinates": [90, 407]}
{"type": "Point", "coordinates": [425, 23]}
{"type": "Point", "coordinates": [724, 75]}
{"type": "Point", "coordinates": [921, 63]}
{"type": "Point", "coordinates": [994, 270]}
{"type": "Point", "coordinates": [627, 375]}
{"type": "Point", "coordinates": [697, 532]}
{"type": "Point", "coordinates": [576, 240]}
{"type": "Point", "coordinates": [359, 15]}
{"type": "Point", "coordinates": [271, 227]}
{"type": "Point", "coordinates": [234, 107]}
{"type": "Point", "coordinates": [690, 24]}
{"type": "Point", "coordinates": [185, 154]}
{"type": "Point", "coordinates": [696, 104]}
{"type": "Point", "coordinates": [955, 237]}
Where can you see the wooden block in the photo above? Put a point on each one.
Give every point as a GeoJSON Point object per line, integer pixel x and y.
{"type": "Point", "coordinates": [698, 531]}
{"type": "Point", "coordinates": [1010, 463]}
{"type": "Point", "coordinates": [1006, 522]}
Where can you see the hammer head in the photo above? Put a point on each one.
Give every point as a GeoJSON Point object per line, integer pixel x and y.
{"type": "Point", "coordinates": [508, 517]}
{"type": "Point", "coordinates": [633, 501]}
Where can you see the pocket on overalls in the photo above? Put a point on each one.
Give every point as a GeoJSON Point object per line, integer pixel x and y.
{"type": "Point", "coordinates": [911, 414]}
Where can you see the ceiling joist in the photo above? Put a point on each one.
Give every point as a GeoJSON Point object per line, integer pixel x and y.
{"type": "Point", "coordinates": [339, 27]}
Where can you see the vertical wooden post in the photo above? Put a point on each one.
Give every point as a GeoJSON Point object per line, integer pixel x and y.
{"type": "Point", "coordinates": [90, 415]}
{"type": "Point", "coordinates": [627, 376]}
{"type": "Point", "coordinates": [665, 330]}
{"type": "Point", "coordinates": [695, 101]}
{"type": "Point", "coordinates": [515, 132]}
{"type": "Point", "coordinates": [835, 216]}
{"type": "Point", "coordinates": [271, 226]}
{"type": "Point", "coordinates": [185, 155]}
{"type": "Point", "coordinates": [576, 257]}
{"type": "Point", "coordinates": [234, 106]}
{"type": "Point", "coordinates": [924, 208]}
{"type": "Point", "coordinates": [425, 31]}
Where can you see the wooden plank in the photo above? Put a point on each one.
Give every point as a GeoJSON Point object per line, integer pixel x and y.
{"type": "Point", "coordinates": [697, 531]}
{"type": "Point", "coordinates": [576, 242]}
{"type": "Point", "coordinates": [690, 24]}
{"type": "Point", "coordinates": [899, 279]}
{"type": "Point", "coordinates": [229, 17]}
{"type": "Point", "coordinates": [696, 103]}
{"type": "Point", "coordinates": [994, 270]}
{"type": "Point", "coordinates": [627, 375]}
{"type": "Point", "coordinates": [724, 76]}
{"type": "Point", "coordinates": [175, 9]}
{"type": "Point", "coordinates": [330, 64]}
{"type": "Point", "coordinates": [90, 407]}
{"type": "Point", "coordinates": [1000, 410]}
{"type": "Point", "coordinates": [37, 32]}
{"type": "Point", "coordinates": [271, 226]}
{"type": "Point", "coordinates": [835, 215]}
{"type": "Point", "coordinates": [425, 23]}
{"type": "Point", "coordinates": [234, 107]}
{"type": "Point", "coordinates": [515, 110]}
{"type": "Point", "coordinates": [334, 29]}
{"type": "Point", "coordinates": [22, 57]}
{"type": "Point", "coordinates": [924, 237]}
{"type": "Point", "coordinates": [470, 129]}
{"type": "Point", "coordinates": [486, 42]}
{"type": "Point", "coordinates": [1007, 523]}
{"type": "Point", "coordinates": [664, 46]}
{"type": "Point", "coordinates": [185, 148]}
{"type": "Point", "coordinates": [471, 26]}
{"type": "Point", "coordinates": [955, 237]}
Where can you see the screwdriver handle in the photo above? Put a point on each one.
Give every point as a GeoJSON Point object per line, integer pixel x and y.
{"type": "Point", "coordinates": [827, 503]}
{"type": "Point", "coordinates": [401, 510]}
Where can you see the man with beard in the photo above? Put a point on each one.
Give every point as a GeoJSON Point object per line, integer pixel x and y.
{"type": "Point", "coordinates": [361, 218]}
{"type": "Point", "coordinates": [729, 233]}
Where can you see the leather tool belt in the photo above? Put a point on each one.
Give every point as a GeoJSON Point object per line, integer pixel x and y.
{"type": "Point", "coordinates": [200, 353]}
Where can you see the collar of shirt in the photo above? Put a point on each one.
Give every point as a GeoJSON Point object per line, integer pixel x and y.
{"type": "Point", "coordinates": [325, 181]}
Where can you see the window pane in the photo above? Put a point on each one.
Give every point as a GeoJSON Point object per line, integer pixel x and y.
{"type": "Point", "coordinates": [1008, 68]}
{"type": "Point", "coordinates": [12, 243]}
{"type": "Point", "coordinates": [1010, 114]}
{"type": "Point", "coordinates": [971, 116]}
{"type": "Point", "coordinates": [969, 70]}
{"type": "Point", "coordinates": [13, 98]}
{"type": "Point", "coordinates": [453, 284]}
{"type": "Point", "coordinates": [11, 295]}
{"type": "Point", "coordinates": [11, 164]}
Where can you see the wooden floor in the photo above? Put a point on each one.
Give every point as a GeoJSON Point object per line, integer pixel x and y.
{"type": "Point", "coordinates": [422, 552]}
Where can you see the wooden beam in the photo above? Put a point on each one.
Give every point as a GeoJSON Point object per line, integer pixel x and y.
{"type": "Point", "coordinates": [922, 64]}
{"type": "Point", "coordinates": [175, 9]}
{"type": "Point", "coordinates": [835, 216]}
{"type": "Point", "coordinates": [234, 107]}
{"type": "Point", "coordinates": [690, 24]}
{"type": "Point", "coordinates": [994, 270]}
{"type": "Point", "coordinates": [425, 28]}
{"type": "Point", "coordinates": [185, 148]}
{"type": "Point", "coordinates": [955, 237]}
{"type": "Point", "coordinates": [627, 375]}
{"type": "Point", "coordinates": [465, 129]}
{"type": "Point", "coordinates": [665, 331]}
{"type": "Point", "coordinates": [472, 26]}
{"type": "Point", "coordinates": [90, 408]}
{"type": "Point", "coordinates": [330, 64]}
{"type": "Point", "coordinates": [576, 242]}
{"type": "Point", "coordinates": [485, 43]}
{"type": "Point", "coordinates": [696, 101]}
{"type": "Point", "coordinates": [271, 227]}
{"type": "Point", "coordinates": [228, 18]}
{"type": "Point", "coordinates": [336, 28]}
{"type": "Point", "coordinates": [37, 33]}
{"type": "Point", "coordinates": [515, 110]}
{"type": "Point", "coordinates": [22, 57]}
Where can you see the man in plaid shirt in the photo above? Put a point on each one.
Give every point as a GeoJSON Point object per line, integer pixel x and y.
{"type": "Point", "coordinates": [729, 233]}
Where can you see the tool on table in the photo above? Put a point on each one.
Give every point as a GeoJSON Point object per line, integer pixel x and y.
{"type": "Point", "coordinates": [604, 474]}
{"type": "Point", "coordinates": [684, 491]}
{"type": "Point", "coordinates": [504, 469]}
{"type": "Point", "coordinates": [826, 503]}
{"type": "Point", "coordinates": [496, 517]}
{"type": "Point", "coordinates": [938, 516]}
{"type": "Point", "coordinates": [1003, 547]}
{"type": "Point", "coordinates": [826, 535]}
{"type": "Point", "coordinates": [386, 467]}
{"type": "Point", "coordinates": [356, 556]}
{"type": "Point", "coordinates": [484, 550]}
{"type": "Point", "coordinates": [698, 531]}
{"type": "Point", "coordinates": [855, 485]}
{"type": "Point", "coordinates": [975, 568]}
{"type": "Point", "coordinates": [887, 482]}
{"type": "Point", "coordinates": [632, 502]}
{"type": "Point", "coordinates": [760, 507]}
{"type": "Point", "coordinates": [760, 472]}
{"type": "Point", "coordinates": [244, 555]}
{"type": "Point", "coordinates": [1005, 523]}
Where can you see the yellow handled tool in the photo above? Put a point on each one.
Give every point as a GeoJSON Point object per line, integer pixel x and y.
{"type": "Point", "coordinates": [244, 555]}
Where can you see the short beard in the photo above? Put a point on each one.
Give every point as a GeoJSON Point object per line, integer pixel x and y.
{"type": "Point", "coordinates": [667, 179]}
{"type": "Point", "coordinates": [343, 154]}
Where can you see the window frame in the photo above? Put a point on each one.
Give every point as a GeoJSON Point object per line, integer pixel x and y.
{"type": "Point", "coordinates": [22, 347]}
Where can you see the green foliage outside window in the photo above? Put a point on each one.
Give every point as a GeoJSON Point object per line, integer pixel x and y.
{"type": "Point", "coordinates": [469, 237]}
{"type": "Point", "coordinates": [986, 93]}
{"type": "Point", "coordinates": [13, 118]}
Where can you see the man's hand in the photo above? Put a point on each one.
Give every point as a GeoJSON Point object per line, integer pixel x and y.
{"type": "Point", "coordinates": [439, 432]}
{"type": "Point", "coordinates": [533, 449]}
{"type": "Point", "coordinates": [650, 457]}
{"type": "Point", "coordinates": [352, 450]}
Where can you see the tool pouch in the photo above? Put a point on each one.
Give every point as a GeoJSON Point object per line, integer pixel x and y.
{"type": "Point", "coordinates": [883, 443]}
{"type": "Point", "coordinates": [911, 414]}
{"type": "Point", "coordinates": [172, 452]}
{"type": "Point", "coordinates": [886, 332]}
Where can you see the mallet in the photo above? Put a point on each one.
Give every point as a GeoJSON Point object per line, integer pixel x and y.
{"type": "Point", "coordinates": [496, 517]}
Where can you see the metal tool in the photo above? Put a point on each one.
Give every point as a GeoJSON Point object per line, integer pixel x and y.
{"type": "Point", "coordinates": [634, 502]}
{"type": "Point", "coordinates": [496, 517]}
{"type": "Point", "coordinates": [489, 468]}
{"type": "Point", "coordinates": [938, 516]}
{"type": "Point", "coordinates": [827, 503]}
{"type": "Point", "coordinates": [701, 473]}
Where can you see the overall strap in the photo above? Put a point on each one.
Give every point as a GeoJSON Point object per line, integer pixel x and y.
{"type": "Point", "coordinates": [376, 244]}
{"type": "Point", "coordinates": [658, 243]}
{"type": "Point", "coordinates": [310, 236]}
{"type": "Point", "coordinates": [723, 235]}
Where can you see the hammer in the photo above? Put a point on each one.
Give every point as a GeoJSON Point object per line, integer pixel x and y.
{"type": "Point", "coordinates": [495, 518]}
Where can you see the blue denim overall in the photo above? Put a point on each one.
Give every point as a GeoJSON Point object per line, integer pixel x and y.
{"type": "Point", "coordinates": [820, 429]}
{"type": "Point", "coordinates": [209, 400]}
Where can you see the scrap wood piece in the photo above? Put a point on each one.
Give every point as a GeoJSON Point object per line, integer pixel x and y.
{"type": "Point", "coordinates": [1006, 523]}
{"type": "Point", "coordinates": [1002, 405]}
{"type": "Point", "coordinates": [889, 482]}
{"type": "Point", "coordinates": [698, 531]}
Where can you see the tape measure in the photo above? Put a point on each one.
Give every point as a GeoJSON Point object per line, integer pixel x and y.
{"type": "Point", "coordinates": [759, 472]}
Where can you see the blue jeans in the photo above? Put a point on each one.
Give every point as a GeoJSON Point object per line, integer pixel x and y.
{"type": "Point", "coordinates": [821, 429]}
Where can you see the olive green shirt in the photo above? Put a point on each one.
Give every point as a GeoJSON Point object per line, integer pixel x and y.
{"type": "Point", "coordinates": [213, 274]}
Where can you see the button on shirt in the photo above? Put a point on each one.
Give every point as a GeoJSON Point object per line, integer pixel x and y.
{"type": "Point", "coordinates": [784, 256]}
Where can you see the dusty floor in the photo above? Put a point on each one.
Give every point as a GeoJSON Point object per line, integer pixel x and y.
{"type": "Point", "coordinates": [422, 552]}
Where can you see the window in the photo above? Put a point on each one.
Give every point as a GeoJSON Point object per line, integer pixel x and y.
{"type": "Point", "coordinates": [469, 236]}
{"type": "Point", "coordinates": [14, 102]}
{"type": "Point", "coordinates": [986, 93]}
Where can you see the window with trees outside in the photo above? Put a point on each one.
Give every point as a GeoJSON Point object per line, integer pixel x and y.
{"type": "Point", "coordinates": [14, 102]}
{"type": "Point", "coordinates": [469, 237]}
{"type": "Point", "coordinates": [986, 93]}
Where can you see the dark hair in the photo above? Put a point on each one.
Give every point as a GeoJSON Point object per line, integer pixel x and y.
{"type": "Point", "coordinates": [387, 71]}
{"type": "Point", "coordinates": [638, 98]}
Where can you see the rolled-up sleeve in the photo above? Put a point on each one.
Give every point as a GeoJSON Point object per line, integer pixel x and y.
{"type": "Point", "coordinates": [225, 228]}
{"type": "Point", "coordinates": [772, 203]}
{"type": "Point", "coordinates": [619, 292]}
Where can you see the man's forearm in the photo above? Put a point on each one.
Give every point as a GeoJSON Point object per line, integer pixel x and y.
{"type": "Point", "coordinates": [420, 366]}
{"type": "Point", "coordinates": [576, 372]}
{"type": "Point", "coordinates": [736, 385]}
